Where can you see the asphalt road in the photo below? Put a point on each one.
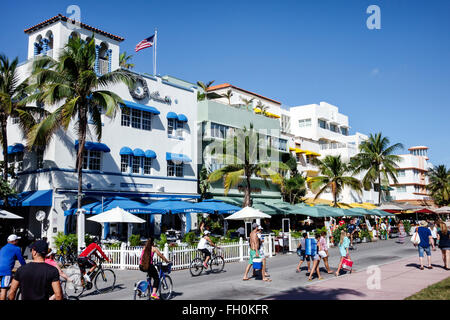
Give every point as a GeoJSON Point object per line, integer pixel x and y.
{"type": "Point", "coordinates": [228, 285]}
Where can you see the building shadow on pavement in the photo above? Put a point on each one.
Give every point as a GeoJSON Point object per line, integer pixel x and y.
{"type": "Point", "coordinates": [310, 293]}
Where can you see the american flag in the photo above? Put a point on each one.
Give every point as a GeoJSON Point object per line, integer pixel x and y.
{"type": "Point", "coordinates": [146, 43]}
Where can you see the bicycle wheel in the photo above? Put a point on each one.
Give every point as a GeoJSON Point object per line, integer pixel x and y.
{"type": "Point", "coordinates": [74, 287]}
{"type": "Point", "coordinates": [217, 264]}
{"type": "Point", "coordinates": [105, 280]}
{"type": "Point", "coordinates": [196, 267]}
{"type": "Point", "coordinates": [142, 290]}
{"type": "Point", "coordinates": [165, 288]}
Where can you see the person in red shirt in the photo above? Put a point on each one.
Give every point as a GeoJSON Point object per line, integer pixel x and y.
{"type": "Point", "coordinates": [85, 257]}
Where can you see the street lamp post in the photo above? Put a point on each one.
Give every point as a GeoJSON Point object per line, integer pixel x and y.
{"type": "Point", "coordinates": [80, 228]}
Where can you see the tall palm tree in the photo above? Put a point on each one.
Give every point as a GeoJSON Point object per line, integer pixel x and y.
{"type": "Point", "coordinates": [334, 176]}
{"type": "Point", "coordinates": [247, 102]}
{"type": "Point", "coordinates": [72, 82]}
{"type": "Point", "coordinates": [294, 188]}
{"type": "Point", "coordinates": [12, 105]}
{"type": "Point", "coordinates": [246, 164]}
{"type": "Point", "coordinates": [205, 95]}
{"type": "Point", "coordinates": [228, 95]}
{"type": "Point", "coordinates": [262, 107]}
{"type": "Point", "coordinates": [124, 61]}
{"type": "Point", "coordinates": [377, 158]}
{"type": "Point", "coordinates": [439, 184]}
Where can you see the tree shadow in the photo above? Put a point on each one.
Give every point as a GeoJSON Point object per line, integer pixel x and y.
{"type": "Point", "coordinates": [310, 293]}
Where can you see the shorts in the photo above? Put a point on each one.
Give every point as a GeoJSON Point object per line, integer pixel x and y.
{"type": "Point", "coordinates": [205, 252]}
{"type": "Point", "coordinates": [445, 248]}
{"type": "Point", "coordinates": [303, 256]}
{"type": "Point", "coordinates": [85, 263]}
{"type": "Point", "coordinates": [5, 282]}
{"type": "Point", "coordinates": [316, 257]}
{"type": "Point", "coordinates": [252, 256]}
{"type": "Point", "coordinates": [261, 253]}
{"type": "Point", "coordinates": [427, 250]}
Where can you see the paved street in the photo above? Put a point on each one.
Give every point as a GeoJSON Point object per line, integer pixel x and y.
{"type": "Point", "coordinates": [229, 284]}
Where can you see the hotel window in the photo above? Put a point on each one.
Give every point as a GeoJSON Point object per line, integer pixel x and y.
{"type": "Point", "coordinates": [125, 117]}
{"type": "Point", "coordinates": [282, 144]}
{"type": "Point", "coordinates": [19, 161]}
{"type": "Point", "coordinates": [136, 165]}
{"type": "Point", "coordinates": [401, 189]}
{"type": "Point", "coordinates": [344, 131]}
{"type": "Point", "coordinates": [401, 173]}
{"type": "Point", "coordinates": [174, 169]}
{"type": "Point", "coordinates": [218, 131]}
{"type": "Point", "coordinates": [304, 123]}
{"type": "Point", "coordinates": [124, 163]}
{"type": "Point", "coordinates": [146, 121]}
{"type": "Point", "coordinates": [136, 118]}
{"type": "Point", "coordinates": [171, 126]}
{"type": "Point", "coordinates": [147, 166]}
{"type": "Point", "coordinates": [179, 128]}
{"type": "Point", "coordinates": [322, 124]}
{"type": "Point", "coordinates": [91, 160]}
{"type": "Point", "coordinates": [298, 157]}
{"type": "Point", "coordinates": [417, 189]}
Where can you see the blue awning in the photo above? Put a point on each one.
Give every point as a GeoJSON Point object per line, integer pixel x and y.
{"type": "Point", "coordinates": [39, 198]}
{"type": "Point", "coordinates": [172, 115]}
{"type": "Point", "coordinates": [94, 146]}
{"type": "Point", "coordinates": [18, 147]}
{"type": "Point", "coordinates": [129, 205]}
{"type": "Point", "coordinates": [217, 206]}
{"type": "Point", "coordinates": [182, 118]}
{"type": "Point", "coordinates": [126, 151]}
{"type": "Point", "coordinates": [177, 157]}
{"type": "Point", "coordinates": [150, 154]}
{"type": "Point", "coordinates": [142, 107]}
{"type": "Point", "coordinates": [173, 206]}
{"type": "Point", "coordinates": [138, 152]}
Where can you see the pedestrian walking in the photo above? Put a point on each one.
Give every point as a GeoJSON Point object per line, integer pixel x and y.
{"type": "Point", "coordinates": [50, 259]}
{"type": "Point", "coordinates": [302, 249]}
{"type": "Point", "coordinates": [444, 244]}
{"type": "Point", "coordinates": [316, 258]}
{"type": "Point", "coordinates": [323, 250]}
{"type": "Point", "coordinates": [261, 252]}
{"type": "Point", "coordinates": [434, 231]}
{"type": "Point", "coordinates": [424, 246]}
{"type": "Point", "coordinates": [344, 244]}
{"type": "Point", "coordinates": [8, 256]}
{"type": "Point", "coordinates": [37, 280]}
{"type": "Point", "coordinates": [401, 233]}
{"type": "Point", "coordinates": [254, 252]}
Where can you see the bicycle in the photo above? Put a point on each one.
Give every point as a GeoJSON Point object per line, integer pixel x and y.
{"type": "Point", "coordinates": [67, 257]}
{"type": "Point", "coordinates": [104, 281]}
{"type": "Point", "coordinates": [143, 289]}
{"type": "Point", "coordinates": [216, 263]}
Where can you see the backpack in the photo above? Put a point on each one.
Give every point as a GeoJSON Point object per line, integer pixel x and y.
{"type": "Point", "coordinates": [145, 264]}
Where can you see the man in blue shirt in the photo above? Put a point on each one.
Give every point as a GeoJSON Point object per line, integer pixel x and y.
{"type": "Point", "coordinates": [424, 246]}
{"type": "Point", "coordinates": [8, 256]}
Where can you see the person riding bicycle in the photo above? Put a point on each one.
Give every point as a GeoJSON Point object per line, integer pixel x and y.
{"type": "Point", "coordinates": [146, 265]}
{"type": "Point", "coordinates": [85, 258]}
{"type": "Point", "coordinates": [8, 256]}
{"type": "Point", "coordinates": [203, 246]}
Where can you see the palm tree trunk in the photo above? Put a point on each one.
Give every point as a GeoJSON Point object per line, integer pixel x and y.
{"type": "Point", "coordinates": [379, 188]}
{"type": "Point", "coordinates": [81, 142]}
{"type": "Point", "coordinates": [248, 191]}
{"type": "Point", "coordinates": [5, 154]}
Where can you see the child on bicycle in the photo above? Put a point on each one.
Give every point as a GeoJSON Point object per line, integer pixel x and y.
{"type": "Point", "coordinates": [146, 265]}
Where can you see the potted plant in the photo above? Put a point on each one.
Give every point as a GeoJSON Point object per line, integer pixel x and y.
{"type": "Point", "coordinates": [407, 226]}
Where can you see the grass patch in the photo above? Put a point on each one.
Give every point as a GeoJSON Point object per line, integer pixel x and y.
{"type": "Point", "coordinates": [437, 291]}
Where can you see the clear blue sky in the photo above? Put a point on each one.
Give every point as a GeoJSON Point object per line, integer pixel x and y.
{"type": "Point", "coordinates": [395, 80]}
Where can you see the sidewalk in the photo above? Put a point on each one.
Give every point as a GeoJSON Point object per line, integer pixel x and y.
{"type": "Point", "coordinates": [398, 280]}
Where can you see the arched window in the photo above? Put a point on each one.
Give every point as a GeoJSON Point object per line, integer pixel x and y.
{"type": "Point", "coordinates": [38, 45]}
{"type": "Point", "coordinates": [74, 35]}
{"type": "Point", "coordinates": [48, 44]}
{"type": "Point", "coordinates": [103, 58]}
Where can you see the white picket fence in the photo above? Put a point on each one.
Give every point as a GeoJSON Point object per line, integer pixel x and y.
{"type": "Point", "coordinates": [127, 257]}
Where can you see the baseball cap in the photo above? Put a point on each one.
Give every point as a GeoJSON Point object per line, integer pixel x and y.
{"type": "Point", "coordinates": [13, 237]}
{"type": "Point", "coordinates": [206, 232]}
{"type": "Point", "coordinates": [40, 246]}
{"type": "Point", "coordinates": [260, 228]}
{"type": "Point", "coordinates": [254, 225]}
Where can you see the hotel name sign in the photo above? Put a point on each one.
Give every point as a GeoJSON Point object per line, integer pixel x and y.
{"type": "Point", "coordinates": [141, 92]}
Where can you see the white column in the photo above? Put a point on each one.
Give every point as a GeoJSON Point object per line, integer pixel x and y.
{"type": "Point", "coordinates": [290, 242]}
{"type": "Point", "coordinates": [270, 245]}
{"type": "Point", "coordinates": [129, 232]}
{"type": "Point", "coordinates": [80, 229]}
{"type": "Point", "coordinates": [122, 255]}
{"type": "Point", "coordinates": [241, 249]}
{"type": "Point", "coordinates": [166, 251]}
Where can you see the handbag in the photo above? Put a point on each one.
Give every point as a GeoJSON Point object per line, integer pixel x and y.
{"type": "Point", "coordinates": [347, 264]}
{"type": "Point", "coordinates": [415, 239]}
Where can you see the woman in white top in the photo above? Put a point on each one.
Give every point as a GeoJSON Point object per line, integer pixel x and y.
{"type": "Point", "coordinates": [203, 247]}
{"type": "Point", "coordinates": [434, 231]}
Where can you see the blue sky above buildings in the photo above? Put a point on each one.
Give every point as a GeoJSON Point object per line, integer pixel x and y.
{"type": "Point", "coordinates": [395, 80]}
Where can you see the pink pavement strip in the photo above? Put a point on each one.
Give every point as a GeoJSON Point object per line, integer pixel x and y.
{"type": "Point", "coordinates": [398, 280]}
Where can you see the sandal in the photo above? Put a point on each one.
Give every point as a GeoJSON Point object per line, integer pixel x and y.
{"type": "Point", "coordinates": [245, 279]}
{"type": "Point", "coordinates": [267, 280]}
{"type": "Point", "coordinates": [430, 267]}
{"type": "Point", "coordinates": [421, 268]}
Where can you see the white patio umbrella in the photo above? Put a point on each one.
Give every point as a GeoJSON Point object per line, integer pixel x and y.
{"type": "Point", "coordinates": [117, 215]}
{"type": "Point", "coordinates": [445, 209]}
{"type": "Point", "coordinates": [390, 207]}
{"type": "Point", "coordinates": [248, 213]}
{"type": "Point", "coordinates": [8, 215]}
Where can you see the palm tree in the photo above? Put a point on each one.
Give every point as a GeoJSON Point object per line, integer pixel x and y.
{"type": "Point", "coordinates": [244, 165]}
{"type": "Point", "coordinates": [247, 102]}
{"type": "Point", "coordinates": [262, 107]}
{"type": "Point", "coordinates": [124, 59]}
{"type": "Point", "coordinates": [205, 95]}
{"type": "Point", "coordinates": [377, 157]}
{"type": "Point", "coordinates": [439, 184]}
{"type": "Point", "coordinates": [294, 188]}
{"type": "Point", "coordinates": [228, 95]}
{"type": "Point", "coordinates": [334, 176]}
{"type": "Point", "coordinates": [12, 94]}
{"type": "Point", "coordinates": [72, 81]}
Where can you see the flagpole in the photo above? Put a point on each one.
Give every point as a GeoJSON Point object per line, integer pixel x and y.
{"type": "Point", "coordinates": [154, 52]}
